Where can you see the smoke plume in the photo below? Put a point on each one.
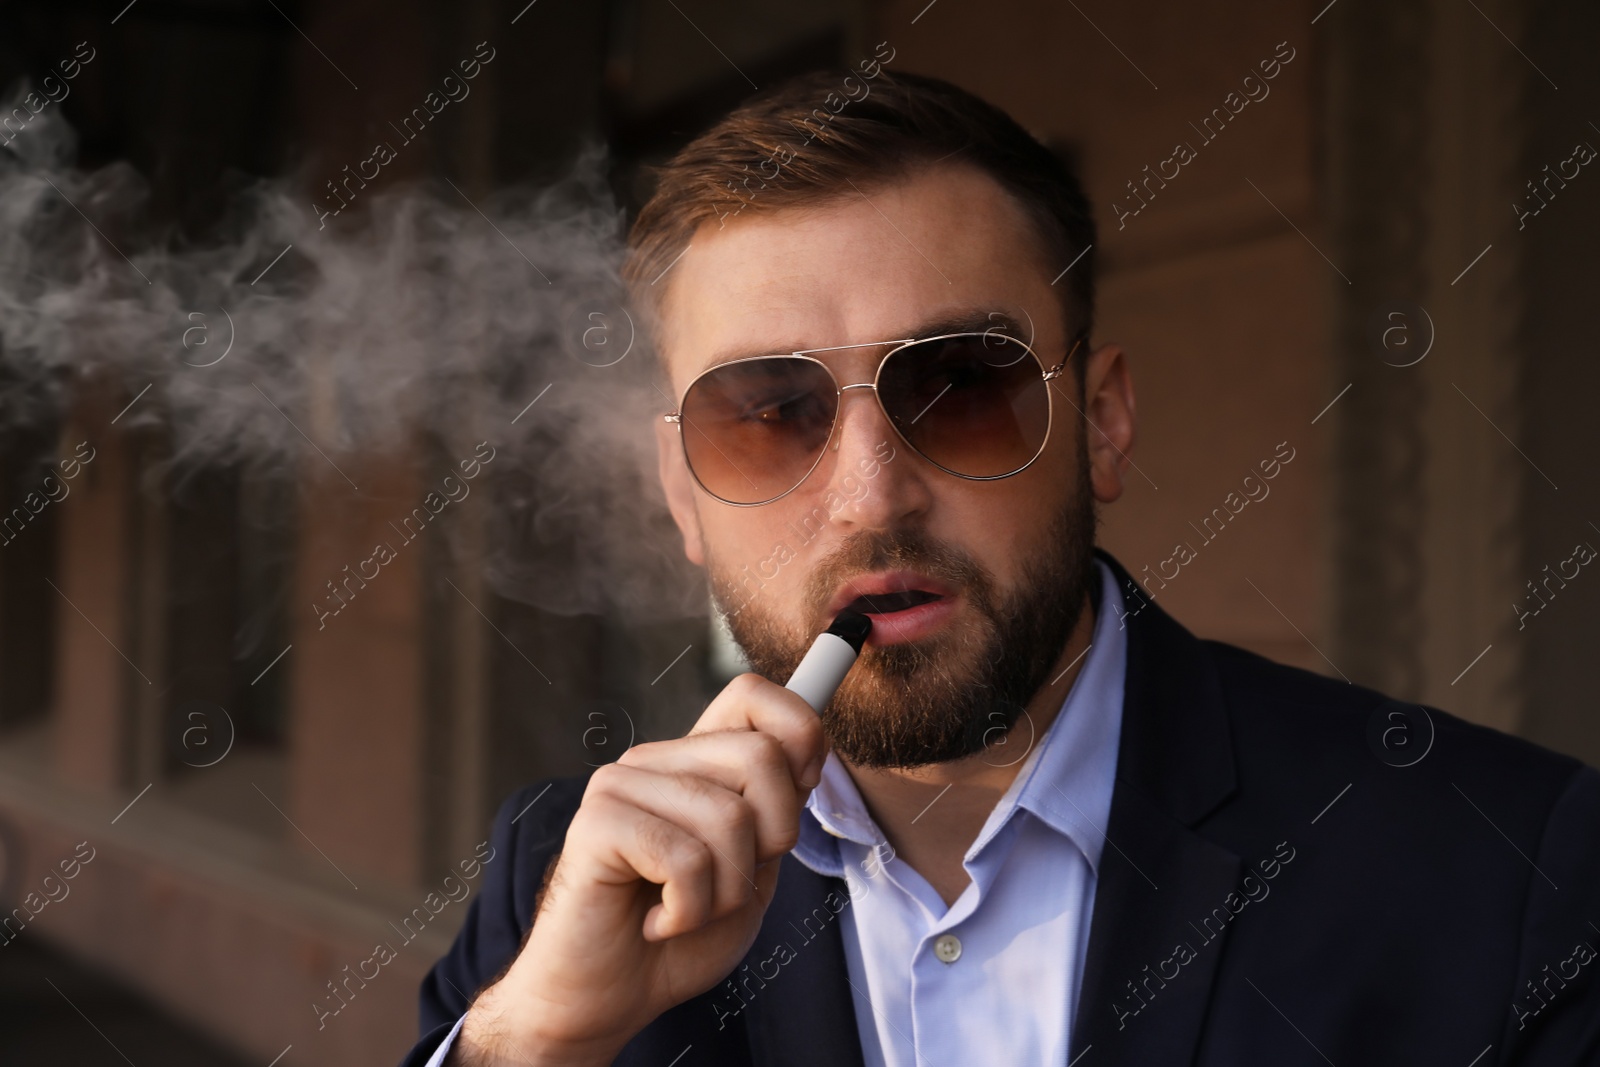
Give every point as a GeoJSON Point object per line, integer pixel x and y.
{"type": "Point", "coordinates": [427, 317]}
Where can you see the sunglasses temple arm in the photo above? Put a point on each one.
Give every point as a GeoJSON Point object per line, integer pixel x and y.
{"type": "Point", "coordinates": [1055, 371]}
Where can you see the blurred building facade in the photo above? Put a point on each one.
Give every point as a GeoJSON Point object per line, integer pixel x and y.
{"type": "Point", "coordinates": [1346, 164]}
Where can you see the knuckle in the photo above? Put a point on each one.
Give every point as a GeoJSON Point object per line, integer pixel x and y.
{"type": "Point", "coordinates": [747, 685]}
{"type": "Point", "coordinates": [591, 832]}
{"type": "Point", "coordinates": [727, 811]}
{"type": "Point", "coordinates": [691, 858]}
{"type": "Point", "coordinates": [606, 779]}
{"type": "Point", "coordinates": [639, 755]}
{"type": "Point", "coordinates": [784, 840]}
{"type": "Point", "coordinates": [741, 891]}
{"type": "Point", "coordinates": [731, 812]}
{"type": "Point", "coordinates": [658, 839]}
{"type": "Point", "coordinates": [766, 752]}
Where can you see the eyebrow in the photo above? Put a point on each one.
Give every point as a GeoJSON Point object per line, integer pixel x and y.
{"type": "Point", "coordinates": [958, 320]}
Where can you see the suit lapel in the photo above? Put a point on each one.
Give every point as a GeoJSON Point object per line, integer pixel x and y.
{"type": "Point", "coordinates": [805, 1015]}
{"type": "Point", "coordinates": [1149, 969]}
{"type": "Point", "coordinates": [1148, 973]}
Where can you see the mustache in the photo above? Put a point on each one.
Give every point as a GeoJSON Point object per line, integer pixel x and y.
{"type": "Point", "coordinates": [911, 549]}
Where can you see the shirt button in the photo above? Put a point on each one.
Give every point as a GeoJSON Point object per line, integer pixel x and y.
{"type": "Point", "coordinates": [948, 948]}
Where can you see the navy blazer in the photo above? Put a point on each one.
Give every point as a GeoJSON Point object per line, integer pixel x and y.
{"type": "Point", "coordinates": [1277, 890]}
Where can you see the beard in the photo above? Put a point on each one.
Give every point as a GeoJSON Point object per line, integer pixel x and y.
{"type": "Point", "coordinates": [961, 690]}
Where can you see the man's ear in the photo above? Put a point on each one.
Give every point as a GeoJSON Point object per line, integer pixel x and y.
{"type": "Point", "coordinates": [678, 484]}
{"type": "Point", "coordinates": [1109, 402]}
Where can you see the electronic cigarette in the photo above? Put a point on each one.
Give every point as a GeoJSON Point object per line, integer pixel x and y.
{"type": "Point", "coordinates": [829, 659]}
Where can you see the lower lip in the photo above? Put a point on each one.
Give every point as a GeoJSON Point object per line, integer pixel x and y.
{"type": "Point", "coordinates": [897, 627]}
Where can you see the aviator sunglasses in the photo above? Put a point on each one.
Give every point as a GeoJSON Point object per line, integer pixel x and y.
{"type": "Point", "coordinates": [975, 405]}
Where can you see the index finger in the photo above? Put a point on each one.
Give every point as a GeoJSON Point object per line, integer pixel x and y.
{"type": "Point", "coordinates": [751, 702]}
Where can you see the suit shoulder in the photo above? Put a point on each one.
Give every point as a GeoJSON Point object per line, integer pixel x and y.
{"type": "Point", "coordinates": [531, 825]}
{"type": "Point", "coordinates": [1299, 713]}
{"type": "Point", "coordinates": [543, 801]}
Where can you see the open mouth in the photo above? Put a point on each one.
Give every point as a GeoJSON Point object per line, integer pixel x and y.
{"type": "Point", "coordinates": [889, 603]}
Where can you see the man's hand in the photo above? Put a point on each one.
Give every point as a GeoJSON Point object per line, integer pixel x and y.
{"type": "Point", "coordinates": [661, 885]}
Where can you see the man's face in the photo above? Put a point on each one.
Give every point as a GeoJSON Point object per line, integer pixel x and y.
{"type": "Point", "coordinates": [973, 586]}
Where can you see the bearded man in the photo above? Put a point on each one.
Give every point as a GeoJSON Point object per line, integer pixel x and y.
{"type": "Point", "coordinates": [1040, 823]}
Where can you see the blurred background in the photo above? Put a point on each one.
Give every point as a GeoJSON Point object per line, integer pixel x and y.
{"type": "Point", "coordinates": [1379, 261]}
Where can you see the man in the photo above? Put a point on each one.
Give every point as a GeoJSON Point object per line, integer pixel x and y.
{"type": "Point", "coordinates": [1040, 822]}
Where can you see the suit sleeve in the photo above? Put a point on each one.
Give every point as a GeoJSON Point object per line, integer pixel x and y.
{"type": "Point", "coordinates": [526, 835]}
{"type": "Point", "coordinates": [1555, 1022]}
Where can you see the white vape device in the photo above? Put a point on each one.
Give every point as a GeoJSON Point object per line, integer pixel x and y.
{"type": "Point", "coordinates": [829, 659]}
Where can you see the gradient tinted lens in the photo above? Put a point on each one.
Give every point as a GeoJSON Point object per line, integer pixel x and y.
{"type": "Point", "coordinates": [753, 429]}
{"type": "Point", "coordinates": [975, 404]}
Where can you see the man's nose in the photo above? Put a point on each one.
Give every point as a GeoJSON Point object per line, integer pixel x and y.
{"type": "Point", "coordinates": [879, 481]}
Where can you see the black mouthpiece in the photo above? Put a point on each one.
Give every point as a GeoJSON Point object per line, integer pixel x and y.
{"type": "Point", "coordinates": [853, 627]}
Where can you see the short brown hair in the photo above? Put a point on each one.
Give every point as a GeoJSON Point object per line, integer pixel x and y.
{"type": "Point", "coordinates": [785, 148]}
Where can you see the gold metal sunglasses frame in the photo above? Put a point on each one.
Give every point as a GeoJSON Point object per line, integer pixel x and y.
{"type": "Point", "coordinates": [1047, 376]}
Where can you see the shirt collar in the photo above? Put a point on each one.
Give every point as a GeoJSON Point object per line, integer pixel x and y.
{"type": "Point", "coordinates": [1066, 778]}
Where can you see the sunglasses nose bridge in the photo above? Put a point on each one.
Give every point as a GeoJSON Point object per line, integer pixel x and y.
{"type": "Point", "coordinates": [841, 418]}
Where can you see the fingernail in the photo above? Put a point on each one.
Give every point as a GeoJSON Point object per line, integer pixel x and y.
{"type": "Point", "coordinates": [812, 775]}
